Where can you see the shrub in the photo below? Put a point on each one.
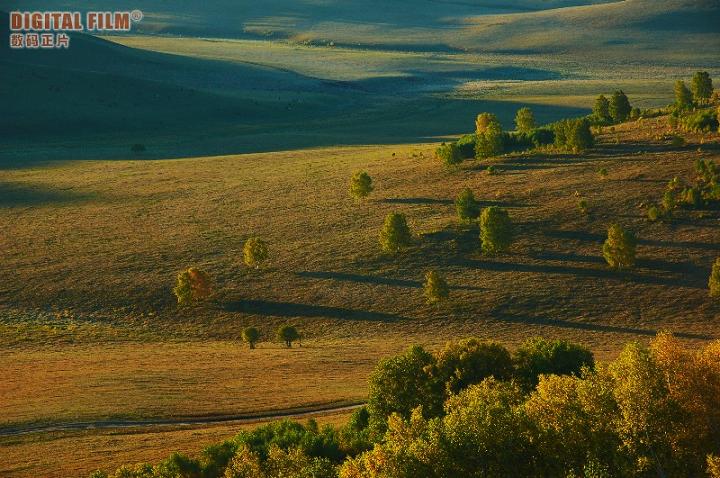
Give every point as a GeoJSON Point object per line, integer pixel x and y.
{"type": "Point", "coordinates": [677, 141]}
{"type": "Point", "coordinates": [524, 120]}
{"type": "Point", "coordinates": [395, 234]}
{"type": "Point", "coordinates": [714, 282]}
{"type": "Point", "coordinates": [653, 213]}
{"type": "Point", "coordinates": [601, 110]}
{"type": "Point", "coordinates": [603, 172]}
{"type": "Point", "coordinates": [483, 121]}
{"type": "Point", "coordinates": [635, 114]}
{"type": "Point", "coordinates": [702, 121]}
{"type": "Point", "coordinates": [584, 206]}
{"type": "Point", "coordinates": [287, 334]}
{"type": "Point", "coordinates": [692, 197]}
{"type": "Point", "coordinates": [466, 146]}
{"type": "Point", "coordinates": [683, 96]}
{"type": "Point", "coordinates": [193, 285]}
{"type": "Point", "coordinates": [496, 231]}
{"type": "Point", "coordinates": [360, 185]}
{"type": "Point", "coordinates": [669, 202]}
{"type": "Point", "coordinates": [449, 154]}
{"type": "Point", "coordinates": [250, 335]}
{"type": "Point", "coordinates": [435, 288]}
{"type": "Point", "coordinates": [489, 143]}
{"type": "Point", "coordinates": [491, 170]}
{"type": "Point", "coordinates": [466, 206]}
{"type": "Point", "coordinates": [619, 248]}
{"type": "Point", "coordinates": [537, 356]}
{"type": "Point", "coordinates": [255, 252]}
{"type": "Point", "coordinates": [619, 107]}
{"type": "Point", "coordinates": [702, 87]}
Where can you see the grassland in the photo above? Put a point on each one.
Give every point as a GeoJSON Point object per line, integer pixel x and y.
{"type": "Point", "coordinates": [90, 330]}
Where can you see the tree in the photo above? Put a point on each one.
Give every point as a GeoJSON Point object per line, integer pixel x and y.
{"type": "Point", "coordinates": [702, 87]}
{"type": "Point", "coordinates": [395, 234]}
{"type": "Point", "coordinates": [255, 252]}
{"type": "Point", "coordinates": [619, 248]}
{"type": "Point", "coordinates": [537, 356]}
{"type": "Point", "coordinates": [496, 231]}
{"type": "Point", "coordinates": [193, 285]}
{"type": "Point", "coordinates": [250, 335]}
{"type": "Point", "coordinates": [714, 282]}
{"type": "Point", "coordinates": [524, 120]}
{"type": "Point", "coordinates": [449, 153]}
{"type": "Point", "coordinates": [287, 334]}
{"type": "Point", "coordinates": [467, 362]}
{"type": "Point", "coordinates": [489, 143]}
{"type": "Point", "coordinates": [467, 207]}
{"type": "Point", "coordinates": [573, 134]}
{"type": "Point", "coordinates": [436, 288]}
{"type": "Point", "coordinates": [683, 96]}
{"type": "Point", "coordinates": [483, 121]}
{"type": "Point", "coordinates": [601, 109]}
{"type": "Point", "coordinates": [361, 185]}
{"type": "Point", "coordinates": [619, 107]}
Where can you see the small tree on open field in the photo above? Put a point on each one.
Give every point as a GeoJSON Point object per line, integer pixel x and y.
{"type": "Point", "coordinates": [683, 96]}
{"type": "Point", "coordinates": [192, 285]}
{"type": "Point", "coordinates": [496, 231]}
{"type": "Point", "coordinates": [620, 107]}
{"type": "Point", "coordinates": [255, 252]}
{"type": "Point", "coordinates": [449, 153]}
{"type": "Point", "coordinates": [484, 120]}
{"type": "Point", "coordinates": [573, 134]}
{"type": "Point", "coordinates": [524, 119]}
{"type": "Point", "coordinates": [714, 282]}
{"type": "Point", "coordinates": [467, 207]}
{"type": "Point", "coordinates": [619, 248]}
{"type": "Point", "coordinates": [287, 334]}
{"type": "Point", "coordinates": [395, 234]}
{"type": "Point", "coordinates": [702, 87]}
{"type": "Point", "coordinates": [601, 109]}
{"type": "Point", "coordinates": [361, 185]}
{"type": "Point", "coordinates": [435, 288]}
{"type": "Point", "coordinates": [250, 335]}
{"type": "Point", "coordinates": [489, 143]}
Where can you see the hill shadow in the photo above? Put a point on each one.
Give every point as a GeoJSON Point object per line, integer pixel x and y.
{"type": "Point", "coordinates": [291, 309]}
{"type": "Point", "coordinates": [22, 195]}
{"type": "Point", "coordinates": [593, 327]}
{"type": "Point", "coordinates": [367, 279]}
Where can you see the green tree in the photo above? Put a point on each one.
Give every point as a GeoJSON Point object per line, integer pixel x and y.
{"type": "Point", "coordinates": [449, 153]}
{"type": "Point", "coordinates": [360, 185]}
{"type": "Point", "coordinates": [467, 207]}
{"type": "Point", "coordinates": [255, 252]}
{"type": "Point", "coordinates": [537, 356]}
{"type": "Point", "coordinates": [573, 134]}
{"type": "Point", "coordinates": [601, 109]}
{"type": "Point", "coordinates": [702, 87]}
{"type": "Point", "coordinates": [619, 248]}
{"type": "Point", "coordinates": [489, 143]}
{"type": "Point", "coordinates": [435, 288]}
{"type": "Point", "coordinates": [250, 335]}
{"type": "Point", "coordinates": [287, 334]}
{"type": "Point", "coordinates": [496, 230]}
{"type": "Point", "coordinates": [484, 120]}
{"type": "Point", "coordinates": [401, 383]}
{"type": "Point", "coordinates": [714, 282]}
{"type": "Point", "coordinates": [619, 107]}
{"type": "Point", "coordinates": [395, 234]}
{"type": "Point", "coordinates": [192, 285]}
{"type": "Point", "coordinates": [683, 96]}
{"type": "Point", "coordinates": [470, 361]}
{"type": "Point", "coordinates": [524, 120]}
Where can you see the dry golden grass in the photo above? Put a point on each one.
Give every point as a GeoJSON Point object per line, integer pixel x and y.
{"type": "Point", "coordinates": [91, 249]}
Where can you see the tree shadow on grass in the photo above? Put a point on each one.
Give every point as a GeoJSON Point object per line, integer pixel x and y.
{"type": "Point", "coordinates": [600, 238]}
{"type": "Point", "coordinates": [367, 279]}
{"type": "Point", "coordinates": [291, 309]}
{"type": "Point", "coordinates": [415, 201]}
{"type": "Point", "coordinates": [624, 276]}
{"type": "Point", "coordinates": [659, 265]}
{"type": "Point", "coordinates": [593, 327]}
{"type": "Point", "coordinates": [25, 195]}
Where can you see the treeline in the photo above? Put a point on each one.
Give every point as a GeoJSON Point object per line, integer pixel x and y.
{"type": "Point", "coordinates": [473, 409]}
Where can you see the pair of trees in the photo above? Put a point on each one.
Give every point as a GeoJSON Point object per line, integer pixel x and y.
{"type": "Point", "coordinates": [573, 135]}
{"type": "Point", "coordinates": [286, 334]}
{"type": "Point", "coordinates": [615, 110]}
{"type": "Point", "coordinates": [489, 136]}
{"type": "Point", "coordinates": [496, 229]}
{"type": "Point", "coordinates": [619, 248]}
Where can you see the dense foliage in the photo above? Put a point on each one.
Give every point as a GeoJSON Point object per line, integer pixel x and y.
{"type": "Point", "coordinates": [466, 205]}
{"type": "Point", "coordinates": [255, 252]}
{"type": "Point", "coordinates": [496, 230]}
{"type": "Point", "coordinates": [395, 234]}
{"type": "Point", "coordinates": [192, 285]}
{"type": "Point", "coordinates": [360, 185]}
{"type": "Point", "coordinates": [619, 247]}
